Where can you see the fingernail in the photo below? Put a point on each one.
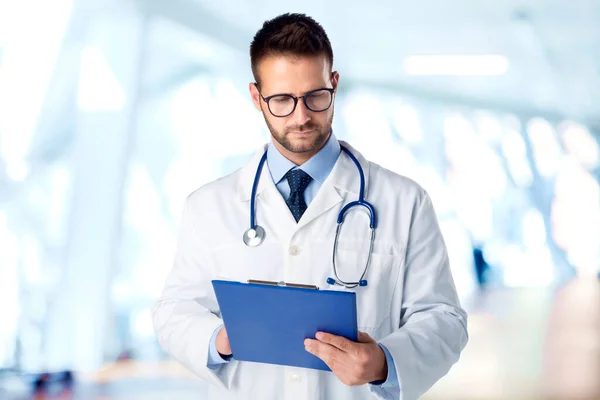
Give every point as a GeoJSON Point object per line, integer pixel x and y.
{"type": "Point", "coordinates": [319, 335]}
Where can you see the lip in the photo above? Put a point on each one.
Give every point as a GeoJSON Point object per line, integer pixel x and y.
{"type": "Point", "coordinates": [302, 133]}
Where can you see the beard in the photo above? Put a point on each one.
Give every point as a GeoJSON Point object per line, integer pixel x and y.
{"type": "Point", "coordinates": [310, 144]}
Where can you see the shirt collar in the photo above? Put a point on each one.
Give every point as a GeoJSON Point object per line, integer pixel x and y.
{"type": "Point", "coordinates": [318, 166]}
{"type": "Point", "coordinates": [339, 177]}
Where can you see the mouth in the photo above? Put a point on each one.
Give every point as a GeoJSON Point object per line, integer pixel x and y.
{"type": "Point", "coordinates": [302, 133]}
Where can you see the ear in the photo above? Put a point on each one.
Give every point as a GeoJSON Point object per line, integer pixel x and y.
{"type": "Point", "coordinates": [335, 78]}
{"type": "Point", "coordinates": [255, 96]}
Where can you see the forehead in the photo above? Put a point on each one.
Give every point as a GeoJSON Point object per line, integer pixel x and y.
{"type": "Point", "coordinates": [292, 74]}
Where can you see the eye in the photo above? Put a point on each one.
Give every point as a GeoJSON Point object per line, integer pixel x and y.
{"type": "Point", "coordinates": [281, 99]}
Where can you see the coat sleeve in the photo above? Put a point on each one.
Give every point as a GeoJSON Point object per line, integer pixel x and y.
{"type": "Point", "coordinates": [185, 315]}
{"type": "Point", "coordinates": [433, 326]}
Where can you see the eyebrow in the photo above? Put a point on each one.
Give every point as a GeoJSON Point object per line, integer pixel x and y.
{"type": "Point", "coordinates": [303, 94]}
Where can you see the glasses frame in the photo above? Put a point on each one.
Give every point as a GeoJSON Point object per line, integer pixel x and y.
{"type": "Point", "coordinates": [268, 99]}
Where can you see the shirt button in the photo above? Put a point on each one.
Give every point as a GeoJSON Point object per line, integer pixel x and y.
{"type": "Point", "coordinates": [295, 378]}
{"type": "Point", "coordinates": [294, 251]}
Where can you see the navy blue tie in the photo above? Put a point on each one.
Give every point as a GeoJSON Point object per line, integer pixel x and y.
{"type": "Point", "coordinates": [298, 181]}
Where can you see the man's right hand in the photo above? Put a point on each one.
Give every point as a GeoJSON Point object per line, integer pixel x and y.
{"type": "Point", "coordinates": [222, 343]}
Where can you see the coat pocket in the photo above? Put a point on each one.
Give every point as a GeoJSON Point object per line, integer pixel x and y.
{"type": "Point", "coordinates": [374, 300]}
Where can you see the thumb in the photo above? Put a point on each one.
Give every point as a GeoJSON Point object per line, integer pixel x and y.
{"type": "Point", "coordinates": [364, 337]}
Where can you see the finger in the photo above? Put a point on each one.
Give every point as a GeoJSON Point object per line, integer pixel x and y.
{"type": "Point", "coordinates": [332, 356]}
{"type": "Point", "coordinates": [339, 342]}
{"type": "Point", "coordinates": [340, 363]}
{"type": "Point", "coordinates": [364, 337]}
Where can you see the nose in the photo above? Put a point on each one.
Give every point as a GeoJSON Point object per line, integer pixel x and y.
{"type": "Point", "coordinates": [301, 114]}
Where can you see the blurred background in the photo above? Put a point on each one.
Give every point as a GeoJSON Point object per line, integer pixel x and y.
{"type": "Point", "coordinates": [112, 112]}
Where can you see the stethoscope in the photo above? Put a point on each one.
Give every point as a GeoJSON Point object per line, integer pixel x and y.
{"type": "Point", "coordinates": [255, 235]}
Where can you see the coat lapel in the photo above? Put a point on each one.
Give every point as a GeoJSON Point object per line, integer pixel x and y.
{"type": "Point", "coordinates": [271, 209]}
{"type": "Point", "coordinates": [344, 179]}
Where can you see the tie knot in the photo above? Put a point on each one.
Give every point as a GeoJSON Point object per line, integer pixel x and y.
{"type": "Point", "coordinates": [298, 180]}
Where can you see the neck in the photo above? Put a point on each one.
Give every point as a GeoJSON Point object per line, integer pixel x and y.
{"type": "Point", "coordinates": [299, 158]}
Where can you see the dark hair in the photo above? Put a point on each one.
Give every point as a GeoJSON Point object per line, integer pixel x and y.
{"type": "Point", "coordinates": [290, 34]}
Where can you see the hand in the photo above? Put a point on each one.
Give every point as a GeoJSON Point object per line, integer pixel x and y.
{"type": "Point", "coordinates": [222, 343]}
{"type": "Point", "coordinates": [354, 363]}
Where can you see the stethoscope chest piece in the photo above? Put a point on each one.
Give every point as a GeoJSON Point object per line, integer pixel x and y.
{"type": "Point", "coordinates": [254, 237]}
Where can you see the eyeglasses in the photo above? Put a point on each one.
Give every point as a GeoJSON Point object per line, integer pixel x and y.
{"type": "Point", "coordinates": [282, 105]}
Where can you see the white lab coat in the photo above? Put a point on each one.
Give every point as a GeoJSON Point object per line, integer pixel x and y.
{"type": "Point", "coordinates": [410, 304]}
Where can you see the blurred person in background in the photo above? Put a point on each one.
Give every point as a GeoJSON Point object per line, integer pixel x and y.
{"type": "Point", "coordinates": [412, 327]}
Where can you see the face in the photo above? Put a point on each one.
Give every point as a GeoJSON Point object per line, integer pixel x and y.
{"type": "Point", "coordinates": [303, 133]}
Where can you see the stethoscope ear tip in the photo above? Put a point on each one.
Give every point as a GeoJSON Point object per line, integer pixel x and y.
{"type": "Point", "coordinates": [330, 281]}
{"type": "Point", "coordinates": [362, 282]}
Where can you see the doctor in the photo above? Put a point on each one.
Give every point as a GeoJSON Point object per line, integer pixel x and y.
{"type": "Point", "coordinates": [412, 326]}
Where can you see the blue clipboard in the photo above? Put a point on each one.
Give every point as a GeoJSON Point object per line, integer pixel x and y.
{"type": "Point", "coordinates": [268, 323]}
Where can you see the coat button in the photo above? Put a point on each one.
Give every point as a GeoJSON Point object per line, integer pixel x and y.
{"type": "Point", "coordinates": [295, 378]}
{"type": "Point", "coordinates": [294, 250]}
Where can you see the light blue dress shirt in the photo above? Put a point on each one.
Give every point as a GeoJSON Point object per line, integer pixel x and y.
{"type": "Point", "coordinates": [318, 167]}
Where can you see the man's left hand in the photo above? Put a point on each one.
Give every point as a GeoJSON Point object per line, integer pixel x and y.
{"type": "Point", "coordinates": [354, 363]}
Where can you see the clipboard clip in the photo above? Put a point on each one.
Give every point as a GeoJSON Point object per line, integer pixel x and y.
{"type": "Point", "coordinates": [282, 283]}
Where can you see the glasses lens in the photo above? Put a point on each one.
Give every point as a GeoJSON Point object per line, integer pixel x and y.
{"type": "Point", "coordinates": [281, 106]}
{"type": "Point", "coordinates": [319, 100]}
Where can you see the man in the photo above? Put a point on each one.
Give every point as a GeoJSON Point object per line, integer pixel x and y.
{"type": "Point", "coordinates": [412, 328]}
